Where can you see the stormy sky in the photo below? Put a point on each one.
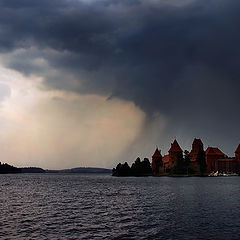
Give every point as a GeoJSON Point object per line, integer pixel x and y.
{"type": "Point", "coordinates": [95, 82]}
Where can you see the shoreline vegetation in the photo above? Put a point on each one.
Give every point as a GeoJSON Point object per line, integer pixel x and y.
{"type": "Point", "coordinates": [139, 168]}
{"type": "Point", "coordinates": [6, 168]}
{"type": "Point", "coordinates": [143, 169]}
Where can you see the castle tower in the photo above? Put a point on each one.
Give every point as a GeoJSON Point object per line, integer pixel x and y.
{"type": "Point", "coordinates": [197, 146]}
{"type": "Point", "coordinates": [157, 163]}
{"type": "Point", "coordinates": [175, 152]}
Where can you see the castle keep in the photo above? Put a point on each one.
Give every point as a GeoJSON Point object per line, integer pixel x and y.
{"type": "Point", "coordinates": [211, 160]}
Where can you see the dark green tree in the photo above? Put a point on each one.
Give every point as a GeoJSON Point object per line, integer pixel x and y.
{"type": "Point", "coordinates": [186, 158]}
{"type": "Point", "coordinates": [146, 165]}
{"type": "Point", "coordinates": [179, 168]}
{"type": "Point", "coordinates": [136, 168]}
{"type": "Point", "coordinates": [201, 159]}
{"type": "Point", "coordinates": [6, 168]}
{"type": "Point", "coordinates": [122, 170]}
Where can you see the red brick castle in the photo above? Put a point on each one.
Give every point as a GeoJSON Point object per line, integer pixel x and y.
{"type": "Point", "coordinates": [213, 158]}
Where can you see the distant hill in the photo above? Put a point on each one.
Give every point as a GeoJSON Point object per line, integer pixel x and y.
{"type": "Point", "coordinates": [32, 170]}
{"type": "Point", "coordinates": [5, 168]}
{"type": "Point", "coordinates": [81, 170]}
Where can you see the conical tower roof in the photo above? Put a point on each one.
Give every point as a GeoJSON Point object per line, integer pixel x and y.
{"type": "Point", "coordinates": [175, 147]}
{"type": "Point", "coordinates": [197, 141]}
{"type": "Point", "coordinates": [238, 149]}
{"type": "Point", "coordinates": [157, 153]}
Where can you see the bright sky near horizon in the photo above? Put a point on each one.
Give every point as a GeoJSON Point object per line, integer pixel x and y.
{"type": "Point", "coordinates": [58, 129]}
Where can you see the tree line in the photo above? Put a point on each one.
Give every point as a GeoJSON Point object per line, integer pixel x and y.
{"type": "Point", "coordinates": [6, 168]}
{"type": "Point", "coordinates": [144, 168]}
{"type": "Point", "coordinates": [183, 165]}
{"type": "Point", "coordinates": [138, 168]}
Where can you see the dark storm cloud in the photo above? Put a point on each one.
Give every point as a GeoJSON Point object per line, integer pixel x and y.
{"type": "Point", "coordinates": [182, 61]}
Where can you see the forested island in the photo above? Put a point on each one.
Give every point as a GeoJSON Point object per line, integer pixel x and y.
{"type": "Point", "coordinates": [197, 162]}
{"type": "Point", "coordinates": [6, 168]}
{"type": "Point", "coordinates": [175, 163]}
{"type": "Point", "coordinates": [145, 168]}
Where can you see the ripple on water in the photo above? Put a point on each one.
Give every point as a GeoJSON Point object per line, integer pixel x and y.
{"type": "Point", "coordinates": [55, 206]}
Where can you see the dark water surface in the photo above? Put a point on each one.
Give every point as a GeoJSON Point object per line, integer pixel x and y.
{"type": "Point", "coordinates": [52, 206]}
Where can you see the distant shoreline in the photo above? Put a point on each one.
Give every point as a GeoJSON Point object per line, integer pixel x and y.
{"type": "Point", "coordinates": [8, 169]}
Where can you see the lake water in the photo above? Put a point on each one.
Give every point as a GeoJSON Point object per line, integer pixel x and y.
{"type": "Point", "coordinates": [58, 206]}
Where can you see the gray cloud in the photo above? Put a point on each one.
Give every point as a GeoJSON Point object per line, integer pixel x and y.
{"type": "Point", "coordinates": [181, 61]}
{"type": "Point", "coordinates": [5, 91]}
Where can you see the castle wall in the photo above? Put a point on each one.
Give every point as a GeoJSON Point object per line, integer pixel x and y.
{"type": "Point", "coordinates": [211, 162]}
{"type": "Point", "coordinates": [157, 165]}
{"type": "Point", "coordinates": [237, 156]}
{"type": "Point", "coordinates": [227, 166]}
